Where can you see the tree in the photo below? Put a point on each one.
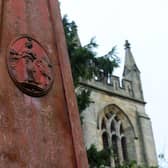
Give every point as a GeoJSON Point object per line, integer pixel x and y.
{"type": "Point", "coordinates": [98, 159]}
{"type": "Point", "coordinates": [85, 63]}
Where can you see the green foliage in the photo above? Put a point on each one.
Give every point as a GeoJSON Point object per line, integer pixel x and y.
{"type": "Point", "coordinates": [80, 57]}
{"type": "Point", "coordinates": [83, 96]}
{"type": "Point", "coordinates": [102, 158]}
{"type": "Point", "coordinates": [98, 159]}
{"type": "Point", "coordinates": [108, 62]}
{"type": "Point", "coordinates": [84, 63]}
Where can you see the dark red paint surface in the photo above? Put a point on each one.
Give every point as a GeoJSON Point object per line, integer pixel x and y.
{"type": "Point", "coordinates": [38, 132]}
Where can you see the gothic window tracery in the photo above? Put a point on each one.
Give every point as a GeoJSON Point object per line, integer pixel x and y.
{"type": "Point", "coordinates": [124, 148]}
{"type": "Point", "coordinates": [112, 127]}
{"type": "Point", "coordinates": [113, 137]}
{"type": "Point", "coordinates": [105, 140]}
{"type": "Point", "coordinates": [103, 125]}
{"type": "Point", "coordinates": [115, 150]}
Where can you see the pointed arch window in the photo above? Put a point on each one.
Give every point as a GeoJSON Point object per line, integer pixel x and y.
{"type": "Point", "coordinates": [121, 130]}
{"type": "Point", "coordinates": [124, 149]}
{"type": "Point", "coordinates": [112, 126]}
{"type": "Point", "coordinates": [113, 136]}
{"type": "Point", "coordinates": [103, 124]}
{"type": "Point", "coordinates": [105, 140]}
{"type": "Point", "coordinates": [115, 150]}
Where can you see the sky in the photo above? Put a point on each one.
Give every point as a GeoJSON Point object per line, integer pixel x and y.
{"type": "Point", "coordinates": [144, 23]}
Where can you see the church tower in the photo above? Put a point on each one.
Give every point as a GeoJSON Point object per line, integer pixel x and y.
{"type": "Point", "coordinates": [117, 118]}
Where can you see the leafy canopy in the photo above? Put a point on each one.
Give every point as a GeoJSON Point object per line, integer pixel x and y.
{"type": "Point", "coordinates": [98, 159]}
{"type": "Point", "coordinates": [84, 62]}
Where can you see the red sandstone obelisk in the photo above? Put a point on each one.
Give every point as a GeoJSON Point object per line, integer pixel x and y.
{"type": "Point", "coordinates": [39, 120]}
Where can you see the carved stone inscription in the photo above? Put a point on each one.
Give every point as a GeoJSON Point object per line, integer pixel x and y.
{"type": "Point", "coordinates": [29, 66]}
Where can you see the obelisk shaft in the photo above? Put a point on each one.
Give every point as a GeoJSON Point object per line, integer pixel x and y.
{"type": "Point", "coordinates": [39, 120]}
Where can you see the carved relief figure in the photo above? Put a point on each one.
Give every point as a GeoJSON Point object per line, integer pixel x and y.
{"type": "Point", "coordinates": [29, 66]}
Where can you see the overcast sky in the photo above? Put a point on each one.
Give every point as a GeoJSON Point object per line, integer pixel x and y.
{"type": "Point", "coordinates": [144, 23]}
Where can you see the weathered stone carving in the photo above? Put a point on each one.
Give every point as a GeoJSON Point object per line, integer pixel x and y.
{"type": "Point", "coordinates": [29, 66]}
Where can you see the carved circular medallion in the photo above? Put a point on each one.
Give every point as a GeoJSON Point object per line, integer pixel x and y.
{"type": "Point", "coordinates": [29, 66]}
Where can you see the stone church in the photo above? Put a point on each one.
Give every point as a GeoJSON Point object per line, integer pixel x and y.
{"type": "Point", "coordinates": [117, 118]}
